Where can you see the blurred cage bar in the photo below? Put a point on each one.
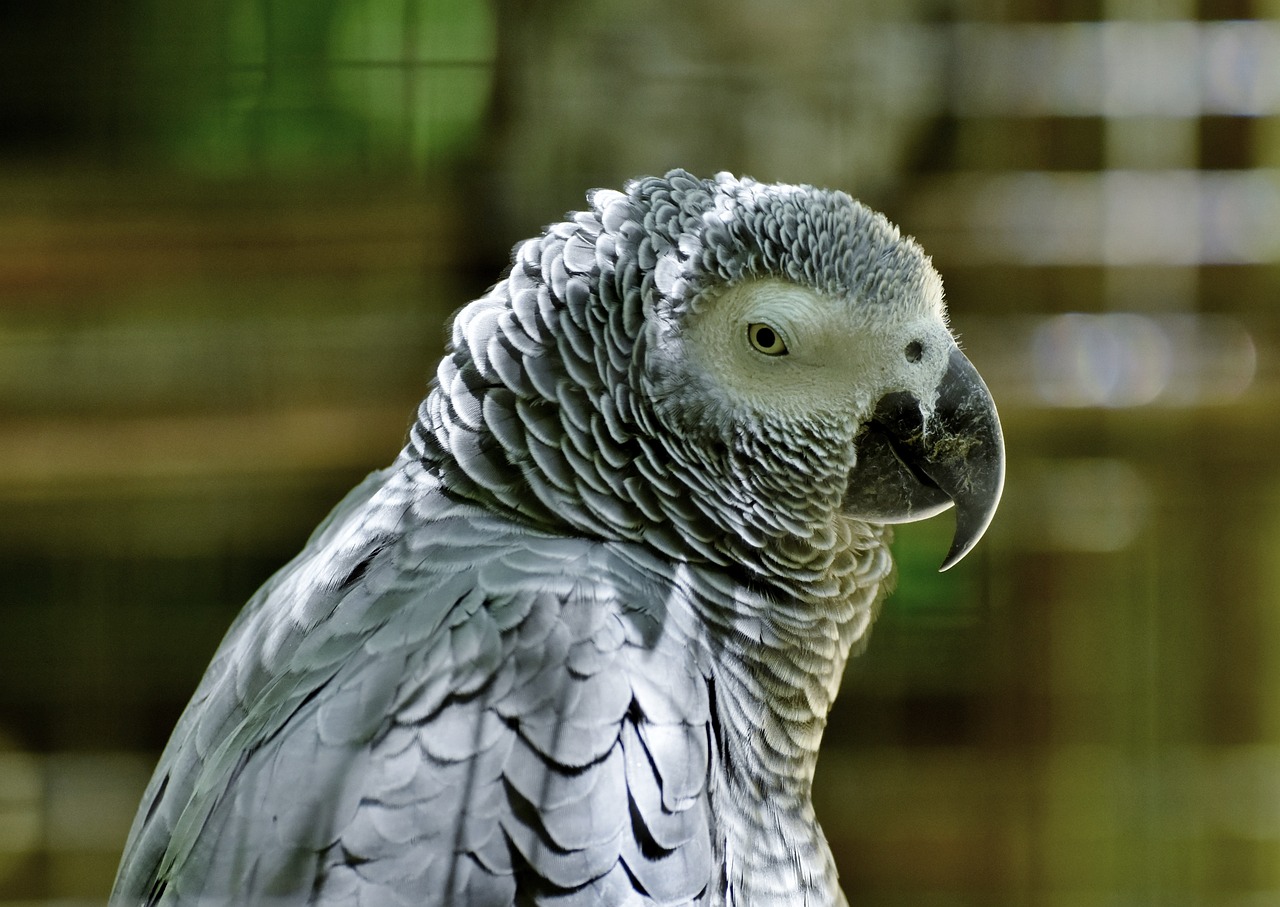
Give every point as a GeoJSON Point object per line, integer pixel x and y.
{"type": "Point", "coordinates": [230, 234]}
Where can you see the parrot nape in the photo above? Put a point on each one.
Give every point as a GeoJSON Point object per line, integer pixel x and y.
{"type": "Point", "coordinates": [577, 645]}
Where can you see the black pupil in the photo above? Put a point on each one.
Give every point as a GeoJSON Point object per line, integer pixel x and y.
{"type": "Point", "coordinates": [915, 349]}
{"type": "Point", "coordinates": [765, 337]}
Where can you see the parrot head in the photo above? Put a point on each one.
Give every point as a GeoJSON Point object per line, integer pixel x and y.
{"type": "Point", "coordinates": [744, 373]}
{"type": "Point", "coordinates": [800, 328]}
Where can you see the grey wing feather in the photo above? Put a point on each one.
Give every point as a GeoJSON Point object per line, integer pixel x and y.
{"type": "Point", "coordinates": [219, 706]}
{"type": "Point", "coordinates": [395, 729]}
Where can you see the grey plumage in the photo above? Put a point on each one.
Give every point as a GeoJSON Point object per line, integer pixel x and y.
{"type": "Point", "coordinates": [577, 645]}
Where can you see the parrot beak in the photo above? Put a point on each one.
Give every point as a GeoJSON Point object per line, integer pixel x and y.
{"type": "Point", "coordinates": [912, 466]}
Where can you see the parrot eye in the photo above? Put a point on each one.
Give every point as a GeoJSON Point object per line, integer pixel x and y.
{"type": "Point", "coordinates": [765, 339]}
{"type": "Point", "coordinates": [914, 350]}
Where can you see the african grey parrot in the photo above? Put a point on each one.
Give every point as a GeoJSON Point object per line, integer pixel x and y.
{"type": "Point", "coordinates": [577, 645]}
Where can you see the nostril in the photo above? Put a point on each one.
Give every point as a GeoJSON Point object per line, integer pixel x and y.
{"type": "Point", "coordinates": [914, 350]}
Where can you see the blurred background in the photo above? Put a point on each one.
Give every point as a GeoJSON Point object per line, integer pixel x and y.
{"type": "Point", "coordinates": [230, 233]}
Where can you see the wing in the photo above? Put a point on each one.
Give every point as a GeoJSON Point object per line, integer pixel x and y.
{"type": "Point", "coordinates": [563, 758]}
{"type": "Point", "coordinates": [250, 686]}
{"type": "Point", "coordinates": [478, 715]}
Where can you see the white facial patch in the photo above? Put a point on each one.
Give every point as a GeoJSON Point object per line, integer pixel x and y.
{"type": "Point", "coordinates": [840, 357]}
